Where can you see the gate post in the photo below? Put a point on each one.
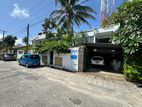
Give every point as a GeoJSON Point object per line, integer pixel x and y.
{"type": "Point", "coordinates": [81, 59]}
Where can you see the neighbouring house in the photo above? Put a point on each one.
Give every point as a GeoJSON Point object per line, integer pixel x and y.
{"type": "Point", "coordinates": [39, 38]}
{"type": "Point", "coordinates": [20, 50]}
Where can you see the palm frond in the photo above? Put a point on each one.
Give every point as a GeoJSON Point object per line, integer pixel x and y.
{"type": "Point", "coordinates": [81, 19]}
{"type": "Point", "coordinates": [84, 8]}
{"type": "Point", "coordinates": [56, 13]}
{"type": "Point", "coordinates": [74, 2]}
{"type": "Point", "coordinates": [61, 2]}
{"type": "Point", "coordinates": [62, 20]}
{"type": "Point", "coordinates": [85, 15]}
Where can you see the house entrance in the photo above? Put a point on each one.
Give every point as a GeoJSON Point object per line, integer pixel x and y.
{"type": "Point", "coordinates": [51, 57]}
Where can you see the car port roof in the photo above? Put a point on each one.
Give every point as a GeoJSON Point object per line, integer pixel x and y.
{"type": "Point", "coordinates": [108, 46]}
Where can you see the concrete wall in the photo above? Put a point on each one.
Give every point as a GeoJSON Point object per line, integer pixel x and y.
{"type": "Point", "coordinates": [69, 60]}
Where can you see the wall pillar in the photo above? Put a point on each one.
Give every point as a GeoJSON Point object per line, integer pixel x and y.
{"type": "Point", "coordinates": [81, 59]}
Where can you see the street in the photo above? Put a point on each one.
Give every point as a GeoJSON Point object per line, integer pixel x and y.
{"type": "Point", "coordinates": [44, 87]}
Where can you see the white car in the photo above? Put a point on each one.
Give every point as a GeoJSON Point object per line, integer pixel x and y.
{"type": "Point", "coordinates": [97, 60]}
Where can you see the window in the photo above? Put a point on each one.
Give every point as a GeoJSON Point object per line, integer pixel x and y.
{"type": "Point", "coordinates": [58, 61]}
{"type": "Point", "coordinates": [34, 57]}
{"type": "Point", "coordinates": [97, 58]}
{"type": "Point", "coordinates": [26, 56]}
{"type": "Point", "coordinates": [20, 52]}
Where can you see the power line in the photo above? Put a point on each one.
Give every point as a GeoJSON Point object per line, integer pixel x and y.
{"type": "Point", "coordinates": [24, 29]}
{"type": "Point", "coordinates": [35, 12]}
{"type": "Point", "coordinates": [36, 23]}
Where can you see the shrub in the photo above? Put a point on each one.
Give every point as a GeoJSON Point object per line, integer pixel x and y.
{"type": "Point", "coordinates": [133, 73]}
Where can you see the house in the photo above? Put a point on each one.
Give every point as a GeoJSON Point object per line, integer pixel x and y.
{"type": "Point", "coordinates": [99, 43]}
{"type": "Point", "coordinates": [20, 50]}
{"type": "Point", "coordinates": [101, 35]}
{"type": "Point", "coordinates": [39, 38]}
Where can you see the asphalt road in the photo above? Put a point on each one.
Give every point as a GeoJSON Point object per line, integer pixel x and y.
{"type": "Point", "coordinates": [23, 89]}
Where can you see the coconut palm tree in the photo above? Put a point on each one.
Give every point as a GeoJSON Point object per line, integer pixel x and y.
{"type": "Point", "coordinates": [72, 12]}
{"type": "Point", "coordinates": [25, 40]}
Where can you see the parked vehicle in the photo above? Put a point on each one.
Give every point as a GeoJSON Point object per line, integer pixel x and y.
{"type": "Point", "coordinates": [20, 53]}
{"type": "Point", "coordinates": [29, 60]}
{"type": "Point", "coordinates": [97, 60]}
{"type": "Point", "coordinates": [8, 57]}
{"type": "Point", "coordinates": [1, 56]}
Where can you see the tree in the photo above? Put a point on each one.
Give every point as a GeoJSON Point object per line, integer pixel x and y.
{"type": "Point", "coordinates": [129, 35]}
{"type": "Point", "coordinates": [48, 26]}
{"type": "Point", "coordinates": [58, 42]}
{"type": "Point", "coordinates": [72, 12]}
{"type": "Point", "coordinates": [25, 40]}
{"type": "Point", "coordinates": [10, 40]}
{"type": "Point", "coordinates": [0, 44]}
{"type": "Point", "coordinates": [80, 39]}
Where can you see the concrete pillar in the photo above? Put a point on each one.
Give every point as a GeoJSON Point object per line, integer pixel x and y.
{"type": "Point", "coordinates": [81, 59]}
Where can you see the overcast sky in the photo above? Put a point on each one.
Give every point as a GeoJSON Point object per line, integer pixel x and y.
{"type": "Point", "coordinates": [16, 14]}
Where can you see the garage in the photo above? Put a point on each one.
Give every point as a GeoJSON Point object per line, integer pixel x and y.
{"type": "Point", "coordinates": [111, 54]}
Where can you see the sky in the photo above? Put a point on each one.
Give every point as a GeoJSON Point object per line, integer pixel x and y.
{"type": "Point", "coordinates": [15, 15]}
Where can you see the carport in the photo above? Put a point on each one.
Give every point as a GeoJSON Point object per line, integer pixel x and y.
{"type": "Point", "coordinates": [112, 54]}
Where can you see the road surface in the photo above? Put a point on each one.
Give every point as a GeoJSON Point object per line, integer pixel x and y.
{"type": "Point", "coordinates": [23, 87]}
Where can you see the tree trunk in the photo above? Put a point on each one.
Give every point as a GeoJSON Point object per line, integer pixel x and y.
{"type": "Point", "coordinates": [69, 21]}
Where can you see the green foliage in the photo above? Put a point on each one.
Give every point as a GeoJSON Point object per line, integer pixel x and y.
{"type": "Point", "coordinates": [129, 17]}
{"type": "Point", "coordinates": [72, 12]}
{"type": "Point", "coordinates": [133, 73]}
{"type": "Point", "coordinates": [38, 48]}
{"type": "Point", "coordinates": [129, 35]}
{"type": "Point", "coordinates": [48, 26]}
{"type": "Point", "coordinates": [133, 67]}
{"type": "Point", "coordinates": [58, 46]}
{"type": "Point", "coordinates": [58, 41]}
{"type": "Point", "coordinates": [130, 73]}
{"type": "Point", "coordinates": [25, 40]}
{"type": "Point", "coordinates": [80, 39]}
{"type": "Point", "coordinates": [0, 45]}
{"type": "Point", "coordinates": [10, 40]}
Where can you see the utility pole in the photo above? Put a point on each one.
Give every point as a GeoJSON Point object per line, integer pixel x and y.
{"type": "Point", "coordinates": [3, 33]}
{"type": "Point", "coordinates": [3, 37]}
{"type": "Point", "coordinates": [27, 45]}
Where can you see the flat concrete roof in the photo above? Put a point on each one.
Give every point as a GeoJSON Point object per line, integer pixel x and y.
{"type": "Point", "coordinates": [108, 46]}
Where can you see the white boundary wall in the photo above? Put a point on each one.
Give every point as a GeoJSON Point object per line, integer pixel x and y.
{"type": "Point", "coordinates": [69, 60]}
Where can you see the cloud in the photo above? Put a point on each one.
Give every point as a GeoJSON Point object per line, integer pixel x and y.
{"type": "Point", "coordinates": [19, 41]}
{"type": "Point", "coordinates": [1, 36]}
{"type": "Point", "coordinates": [19, 12]}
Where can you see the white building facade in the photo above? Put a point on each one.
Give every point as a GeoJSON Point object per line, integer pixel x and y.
{"type": "Point", "coordinates": [101, 35]}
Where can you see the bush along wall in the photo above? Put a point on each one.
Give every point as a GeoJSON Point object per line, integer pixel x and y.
{"type": "Point", "coordinates": [133, 68]}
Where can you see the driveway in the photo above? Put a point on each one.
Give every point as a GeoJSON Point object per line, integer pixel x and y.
{"type": "Point", "coordinates": [47, 87]}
